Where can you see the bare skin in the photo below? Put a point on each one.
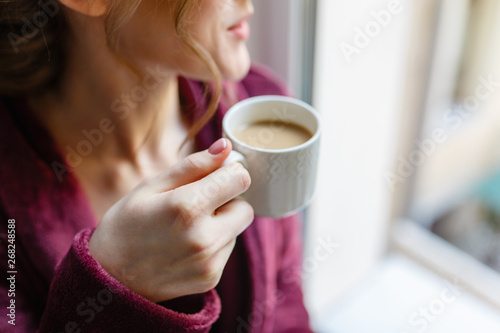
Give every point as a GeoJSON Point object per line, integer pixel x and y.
{"type": "Point", "coordinates": [164, 231]}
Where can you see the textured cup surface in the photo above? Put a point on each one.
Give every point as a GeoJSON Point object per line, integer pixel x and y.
{"type": "Point", "coordinates": [283, 180]}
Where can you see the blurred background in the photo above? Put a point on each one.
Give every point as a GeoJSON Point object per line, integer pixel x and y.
{"type": "Point", "coordinates": [404, 232]}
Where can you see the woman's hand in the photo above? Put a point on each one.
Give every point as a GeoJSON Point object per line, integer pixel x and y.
{"type": "Point", "coordinates": [172, 235]}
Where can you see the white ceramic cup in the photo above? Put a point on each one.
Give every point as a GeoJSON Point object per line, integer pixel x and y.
{"type": "Point", "coordinates": [283, 180]}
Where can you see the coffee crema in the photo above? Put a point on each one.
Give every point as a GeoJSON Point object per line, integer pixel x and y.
{"type": "Point", "coordinates": [271, 134]}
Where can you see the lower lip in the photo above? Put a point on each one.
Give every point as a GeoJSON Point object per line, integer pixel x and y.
{"type": "Point", "coordinates": [241, 31]}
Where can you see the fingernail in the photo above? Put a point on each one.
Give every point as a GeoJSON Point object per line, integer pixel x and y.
{"type": "Point", "coordinates": [217, 147]}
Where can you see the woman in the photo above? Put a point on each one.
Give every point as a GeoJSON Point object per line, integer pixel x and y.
{"type": "Point", "coordinates": [105, 125]}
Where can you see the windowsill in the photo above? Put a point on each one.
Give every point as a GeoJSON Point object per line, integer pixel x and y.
{"type": "Point", "coordinates": [446, 260]}
{"type": "Point", "coordinates": [423, 285]}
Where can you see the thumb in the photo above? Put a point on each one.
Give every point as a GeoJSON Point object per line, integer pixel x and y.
{"type": "Point", "coordinates": [194, 167]}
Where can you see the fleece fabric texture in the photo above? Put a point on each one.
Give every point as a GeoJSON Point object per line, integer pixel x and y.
{"type": "Point", "coordinates": [59, 287]}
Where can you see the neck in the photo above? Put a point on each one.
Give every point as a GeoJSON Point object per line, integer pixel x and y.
{"type": "Point", "coordinates": [98, 93]}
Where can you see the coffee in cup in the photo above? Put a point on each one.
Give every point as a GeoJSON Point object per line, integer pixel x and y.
{"type": "Point", "coordinates": [269, 134]}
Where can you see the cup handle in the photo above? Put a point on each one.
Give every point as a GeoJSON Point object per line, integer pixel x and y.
{"type": "Point", "coordinates": [235, 156]}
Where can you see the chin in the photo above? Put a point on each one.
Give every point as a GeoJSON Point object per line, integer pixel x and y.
{"type": "Point", "coordinates": [236, 74]}
{"type": "Point", "coordinates": [237, 68]}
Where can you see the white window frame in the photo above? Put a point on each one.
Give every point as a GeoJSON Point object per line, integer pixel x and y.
{"type": "Point", "coordinates": [437, 93]}
{"type": "Point", "coordinates": [283, 39]}
{"type": "Point", "coordinates": [363, 216]}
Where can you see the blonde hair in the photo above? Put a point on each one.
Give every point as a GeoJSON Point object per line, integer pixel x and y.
{"type": "Point", "coordinates": [32, 52]}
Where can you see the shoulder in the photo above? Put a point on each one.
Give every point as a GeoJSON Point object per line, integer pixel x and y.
{"type": "Point", "coordinates": [261, 80]}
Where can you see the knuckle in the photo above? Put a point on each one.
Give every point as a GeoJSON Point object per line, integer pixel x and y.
{"type": "Point", "coordinates": [186, 211]}
{"type": "Point", "coordinates": [191, 163]}
{"type": "Point", "coordinates": [201, 244]}
{"type": "Point", "coordinates": [201, 248]}
{"type": "Point", "coordinates": [247, 211]}
{"type": "Point", "coordinates": [243, 176]}
{"type": "Point", "coordinates": [211, 273]}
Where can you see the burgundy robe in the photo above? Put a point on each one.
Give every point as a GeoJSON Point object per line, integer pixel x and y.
{"type": "Point", "coordinates": [59, 287]}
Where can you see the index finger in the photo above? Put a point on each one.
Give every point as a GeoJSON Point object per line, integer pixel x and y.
{"type": "Point", "coordinates": [218, 188]}
{"type": "Point", "coordinates": [190, 169]}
